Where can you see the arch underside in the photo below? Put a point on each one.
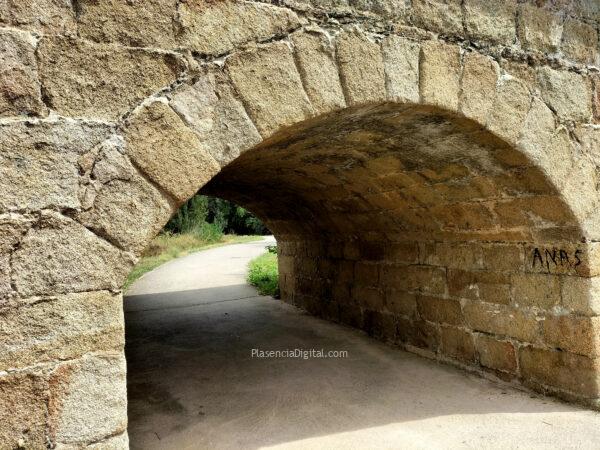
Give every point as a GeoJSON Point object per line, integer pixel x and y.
{"type": "Point", "coordinates": [425, 230]}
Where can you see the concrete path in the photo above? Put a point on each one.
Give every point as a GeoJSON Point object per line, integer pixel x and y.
{"type": "Point", "coordinates": [193, 384]}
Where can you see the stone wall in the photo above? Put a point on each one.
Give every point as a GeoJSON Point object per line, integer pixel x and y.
{"type": "Point", "coordinates": [429, 167]}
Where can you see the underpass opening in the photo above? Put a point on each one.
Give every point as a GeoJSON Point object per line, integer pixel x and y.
{"type": "Point", "coordinates": [425, 230]}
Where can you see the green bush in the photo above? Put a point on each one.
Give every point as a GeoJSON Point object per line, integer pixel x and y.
{"type": "Point", "coordinates": [189, 215]}
{"type": "Point", "coordinates": [208, 232]}
{"type": "Point", "coordinates": [263, 274]}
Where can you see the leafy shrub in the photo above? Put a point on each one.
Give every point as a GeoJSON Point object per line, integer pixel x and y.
{"type": "Point", "coordinates": [263, 274]}
{"type": "Point", "coordinates": [208, 232]}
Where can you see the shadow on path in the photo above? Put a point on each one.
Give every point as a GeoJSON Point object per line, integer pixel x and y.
{"type": "Point", "coordinates": [193, 384]}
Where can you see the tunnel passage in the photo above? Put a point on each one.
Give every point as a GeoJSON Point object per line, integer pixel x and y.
{"type": "Point", "coordinates": [425, 230]}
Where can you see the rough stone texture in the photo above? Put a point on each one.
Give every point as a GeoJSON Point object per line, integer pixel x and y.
{"type": "Point", "coordinates": [497, 355]}
{"type": "Point", "coordinates": [38, 163]}
{"type": "Point", "coordinates": [539, 29]}
{"type": "Point", "coordinates": [58, 255]}
{"type": "Point", "coordinates": [542, 291]}
{"type": "Point", "coordinates": [270, 87]}
{"type": "Point", "coordinates": [457, 344]}
{"type": "Point", "coordinates": [574, 334]}
{"type": "Point", "coordinates": [137, 24]}
{"type": "Point", "coordinates": [580, 42]}
{"type": "Point", "coordinates": [315, 55]}
{"type": "Point", "coordinates": [501, 320]}
{"type": "Point", "coordinates": [211, 108]}
{"type": "Point", "coordinates": [493, 21]}
{"type": "Point", "coordinates": [443, 16]}
{"type": "Point", "coordinates": [113, 443]}
{"type": "Point", "coordinates": [510, 108]}
{"type": "Point", "coordinates": [581, 295]}
{"type": "Point", "coordinates": [118, 203]}
{"type": "Point", "coordinates": [44, 16]}
{"type": "Point", "coordinates": [22, 427]}
{"type": "Point", "coordinates": [478, 86]}
{"type": "Point", "coordinates": [88, 399]}
{"type": "Point", "coordinates": [361, 68]}
{"type": "Point", "coordinates": [564, 370]}
{"type": "Point", "coordinates": [151, 136]}
{"type": "Point", "coordinates": [19, 85]}
{"type": "Point", "coordinates": [98, 81]}
{"type": "Point", "coordinates": [63, 327]}
{"type": "Point", "coordinates": [440, 74]}
{"type": "Point", "coordinates": [213, 28]}
{"type": "Point", "coordinates": [401, 61]}
{"type": "Point", "coordinates": [567, 93]}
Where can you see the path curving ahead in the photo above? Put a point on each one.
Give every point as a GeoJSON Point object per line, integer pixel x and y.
{"type": "Point", "coordinates": [193, 384]}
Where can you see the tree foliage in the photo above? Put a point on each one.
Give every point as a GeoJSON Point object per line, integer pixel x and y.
{"type": "Point", "coordinates": [208, 215]}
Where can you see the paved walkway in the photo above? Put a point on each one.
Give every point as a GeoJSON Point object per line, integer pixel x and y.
{"type": "Point", "coordinates": [191, 327]}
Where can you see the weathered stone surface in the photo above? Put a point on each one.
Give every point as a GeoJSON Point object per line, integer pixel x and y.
{"type": "Point", "coordinates": [38, 163]}
{"type": "Point", "coordinates": [137, 24]}
{"type": "Point", "coordinates": [211, 109]}
{"type": "Point", "coordinates": [455, 256]}
{"type": "Point", "coordinates": [315, 54]}
{"type": "Point", "coordinates": [494, 354]}
{"type": "Point", "coordinates": [538, 133]}
{"type": "Point", "coordinates": [401, 62]}
{"type": "Point", "coordinates": [12, 229]}
{"type": "Point", "coordinates": [100, 81]}
{"type": "Point", "coordinates": [426, 279]}
{"type": "Point", "coordinates": [215, 28]}
{"type": "Point", "coordinates": [457, 344]}
{"type": "Point", "coordinates": [440, 310]}
{"type": "Point", "coordinates": [567, 93]}
{"type": "Point", "coordinates": [5, 272]}
{"type": "Point", "coordinates": [509, 109]}
{"type": "Point", "coordinates": [443, 16]}
{"type": "Point", "coordinates": [44, 16]}
{"type": "Point", "coordinates": [501, 320]}
{"type": "Point", "coordinates": [490, 287]}
{"type": "Point", "coordinates": [19, 85]}
{"type": "Point", "coordinates": [400, 303]}
{"type": "Point", "coordinates": [574, 334]}
{"type": "Point", "coordinates": [361, 68]}
{"type": "Point", "coordinates": [502, 257]}
{"type": "Point", "coordinates": [386, 8]}
{"type": "Point", "coordinates": [581, 295]}
{"type": "Point", "coordinates": [493, 21]}
{"type": "Point", "coordinates": [596, 98]}
{"type": "Point", "coordinates": [119, 442]}
{"type": "Point", "coordinates": [478, 88]}
{"type": "Point", "coordinates": [119, 203]}
{"type": "Point", "coordinates": [22, 427]}
{"type": "Point", "coordinates": [563, 370]}
{"type": "Point", "coordinates": [63, 327]}
{"type": "Point", "coordinates": [88, 399]}
{"type": "Point", "coordinates": [440, 74]}
{"type": "Point", "coordinates": [538, 28]}
{"type": "Point", "coordinates": [58, 255]}
{"type": "Point", "coordinates": [580, 42]}
{"type": "Point", "coordinates": [542, 291]}
{"type": "Point", "coordinates": [152, 135]}
{"type": "Point", "coordinates": [270, 86]}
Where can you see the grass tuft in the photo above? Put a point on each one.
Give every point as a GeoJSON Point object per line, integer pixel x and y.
{"type": "Point", "coordinates": [263, 274]}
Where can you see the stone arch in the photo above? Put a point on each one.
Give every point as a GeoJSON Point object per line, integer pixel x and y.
{"type": "Point", "coordinates": [488, 166]}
